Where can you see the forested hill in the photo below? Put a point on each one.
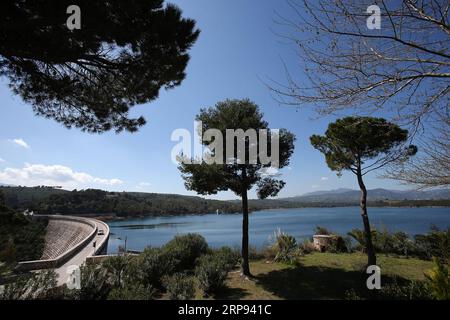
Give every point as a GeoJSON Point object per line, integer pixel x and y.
{"type": "Point", "coordinates": [47, 200]}
{"type": "Point", "coordinates": [21, 238]}
{"type": "Point", "coordinates": [349, 195]}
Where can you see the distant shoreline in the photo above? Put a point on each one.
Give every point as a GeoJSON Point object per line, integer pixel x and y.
{"type": "Point", "coordinates": [112, 218]}
{"type": "Point", "coordinates": [126, 205]}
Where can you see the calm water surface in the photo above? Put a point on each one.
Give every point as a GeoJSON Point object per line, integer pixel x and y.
{"type": "Point", "coordinates": [222, 230]}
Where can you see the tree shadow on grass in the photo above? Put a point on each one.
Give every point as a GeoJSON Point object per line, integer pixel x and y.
{"type": "Point", "coordinates": [315, 283]}
{"type": "Point", "coordinates": [230, 294]}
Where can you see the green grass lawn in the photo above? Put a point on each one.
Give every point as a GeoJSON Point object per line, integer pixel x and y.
{"type": "Point", "coordinates": [319, 276]}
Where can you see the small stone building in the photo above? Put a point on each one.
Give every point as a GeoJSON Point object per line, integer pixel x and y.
{"type": "Point", "coordinates": [321, 242]}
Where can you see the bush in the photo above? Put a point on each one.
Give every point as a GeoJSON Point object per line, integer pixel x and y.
{"type": "Point", "coordinates": [117, 269]}
{"type": "Point", "coordinates": [422, 247]}
{"type": "Point", "coordinates": [152, 264]}
{"type": "Point", "coordinates": [211, 273]}
{"type": "Point", "coordinates": [180, 287]}
{"type": "Point", "coordinates": [30, 286]}
{"type": "Point", "coordinates": [228, 256]}
{"type": "Point", "coordinates": [307, 247]}
{"type": "Point", "coordinates": [402, 244]}
{"type": "Point", "coordinates": [359, 237]}
{"type": "Point", "coordinates": [348, 244]}
{"type": "Point", "coordinates": [94, 283]}
{"type": "Point", "coordinates": [337, 245]}
{"type": "Point", "coordinates": [185, 250]}
{"type": "Point", "coordinates": [438, 280]}
{"type": "Point", "coordinates": [434, 244]}
{"type": "Point", "coordinates": [285, 247]}
{"type": "Point", "coordinates": [383, 241]}
{"type": "Point", "coordinates": [405, 290]}
{"type": "Point", "coordinates": [333, 244]}
{"type": "Point", "coordinates": [131, 291]}
{"type": "Point", "coordinates": [21, 238]}
{"type": "Point", "coordinates": [396, 243]}
{"type": "Point", "coordinates": [322, 231]}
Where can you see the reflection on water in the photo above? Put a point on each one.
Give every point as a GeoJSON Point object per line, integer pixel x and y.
{"type": "Point", "coordinates": [148, 226]}
{"type": "Point", "coordinates": [220, 230]}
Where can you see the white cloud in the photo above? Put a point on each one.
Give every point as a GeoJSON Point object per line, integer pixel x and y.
{"type": "Point", "coordinates": [54, 175]}
{"type": "Point", "coordinates": [144, 184]}
{"type": "Point", "coordinates": [21, 143]}
{"type": "Point", "coordinates": [315, 186]}
{"type": "Point", "coordinates": [324, 178]}
{"type": "Point", "coordinates": [2, 160]}
{"type": "Point", "coordinates": [269, 172]}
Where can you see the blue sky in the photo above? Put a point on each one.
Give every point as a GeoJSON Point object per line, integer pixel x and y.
{"type": "Point", "coordinates": [236, 50]}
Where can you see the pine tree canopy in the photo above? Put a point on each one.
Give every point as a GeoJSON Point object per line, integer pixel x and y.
{"type": "Point", "coordinates": [123, 54]}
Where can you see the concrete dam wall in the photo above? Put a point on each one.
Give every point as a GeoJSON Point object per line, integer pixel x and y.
{"type": "Point", "coordinates": [69, 238]}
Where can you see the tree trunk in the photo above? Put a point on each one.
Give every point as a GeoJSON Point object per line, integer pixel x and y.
{"type": "Point", "coordinates": [245, 263]}
{"type": "Point", "coordinates": [371, 258]}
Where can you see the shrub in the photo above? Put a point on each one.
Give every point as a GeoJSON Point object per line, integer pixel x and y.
{"type": "Point", "coordinates": [152, 264]}
{"type": "Point", "coordinates": [211, 273]}
{"type": "Point", "coordinates": [396, 243]}
{"type": "Point", "coordinates": [434, 244]}
{"type": "Point", "coordinates": [438, 280]}
{"type": "Point", "coordinates": [422, 247]}
{"type": "Point", "coordinates": [405, 290]}
{"type": "Point", "coordinates": [228, 256]}
{"type": "Point", "coordinates": [132, 291]}
{"type": "Point", "coordinates": [383, 241]}
{"type": "Point", "coordinates": [285, 247]}
{"type": "Point", "coordinates": [348, 244]}
{"type": "Point", "coordinates": [94, 283]}
{"type": "Point", "coordinates": [30, 286]}
{"type": "Point", "coordinates": [21, 238]}
{"type": "Point", "coordinates": [185, 250]}
{"type": "Point", "coordinates": [117, 267]}
{"type": "Point", "coordinates": [402, 244]}
{"type": "Point", "coordinates": [359, 237]}
{"type": "Point", "coordinates": [60, 293]}
{"type": "Point", "coordinates": [337, 245]}
{"type": "Point", "coordinates": [322, 231]}
{"type": "Point", "coordinates": [307, 247]}
{"type": "Point", "coordinates": [180, 287]}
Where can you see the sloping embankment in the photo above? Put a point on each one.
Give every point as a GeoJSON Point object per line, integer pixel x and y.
{"type": "Point", "coordinates": [62, 235]}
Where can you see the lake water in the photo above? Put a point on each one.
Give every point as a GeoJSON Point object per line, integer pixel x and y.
{"type": "Point", "coordinates": [222, 230]}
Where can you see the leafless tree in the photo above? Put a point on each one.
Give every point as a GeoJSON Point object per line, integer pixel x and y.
{"type": "Point", "coordinates": [432, 167]}
{"type": "Point", "coordinates": [401, 69]}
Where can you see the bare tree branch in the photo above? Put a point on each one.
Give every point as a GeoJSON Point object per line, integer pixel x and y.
{"type": "Point", "coordinates": [402, 70]}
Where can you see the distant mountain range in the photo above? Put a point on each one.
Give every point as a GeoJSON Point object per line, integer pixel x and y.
{"type": "Point", "coordinates": [349, 195]}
